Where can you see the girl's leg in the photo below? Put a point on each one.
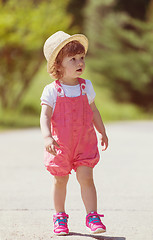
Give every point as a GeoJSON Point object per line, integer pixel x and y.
{"type": "Point", "coordinates": [88, 192]}
{"type": "Point", "coordinates": [59, 192]}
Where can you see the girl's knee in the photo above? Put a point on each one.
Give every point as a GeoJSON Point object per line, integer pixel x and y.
{"type": "Point", "coordinates": [61, 180]}
{"type": "Point", "coordinates": [84, 175]}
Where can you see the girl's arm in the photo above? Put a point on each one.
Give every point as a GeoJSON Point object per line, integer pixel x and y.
{"type": "Point", "coordinates": [45, 118]}
{"type": "Point", "coordinates": [98, 123]}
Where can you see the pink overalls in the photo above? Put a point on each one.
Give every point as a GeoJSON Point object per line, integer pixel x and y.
{"type": "Point", "coordinates": [72, 128]}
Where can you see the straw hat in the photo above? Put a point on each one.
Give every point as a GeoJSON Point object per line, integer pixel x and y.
{"type": "Point", "coordinates": [56, 42]}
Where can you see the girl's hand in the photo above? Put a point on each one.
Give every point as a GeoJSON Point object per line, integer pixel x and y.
{"type": "Point", "coordinates": [104, 141]}
{"type": "Point", "coordinates": [50, 144]}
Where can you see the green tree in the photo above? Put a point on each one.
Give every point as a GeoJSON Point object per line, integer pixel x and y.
{"type": "Point", "coordinates": [121, 51]}
{"type": "Point", "coordinates": [24, 26]}
{"type": "Point", "coordinates": [75, 7]}
{"type": "Point", "coordinates": [149, 14]}
{"type": "Point", "coordinates": [135, 8]}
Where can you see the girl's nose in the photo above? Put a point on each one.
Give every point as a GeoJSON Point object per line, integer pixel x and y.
{"type": "Point", "coordinates": [81, 63]}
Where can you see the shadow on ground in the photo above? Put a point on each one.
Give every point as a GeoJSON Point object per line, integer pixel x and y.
{"type": "Point", "coordinates": [95, 236]}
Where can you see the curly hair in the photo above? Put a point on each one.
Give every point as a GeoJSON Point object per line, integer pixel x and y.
{"type": "Point", "coordinates": [70, 49]}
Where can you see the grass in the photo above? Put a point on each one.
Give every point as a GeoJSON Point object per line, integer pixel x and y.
{"type": "Point", "coordinates": [15, 119]}
{"type": "Point", "coordinates": [113, 111]}
{"type": "Point", "coordinates": [27, 114]}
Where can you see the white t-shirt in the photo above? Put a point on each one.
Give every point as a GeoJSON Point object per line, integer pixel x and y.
{"type": "Point", "coordinates": [49, 94]}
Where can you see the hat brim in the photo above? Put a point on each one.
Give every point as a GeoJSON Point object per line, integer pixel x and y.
{"type": "Point", "coordinates": [79, 37]}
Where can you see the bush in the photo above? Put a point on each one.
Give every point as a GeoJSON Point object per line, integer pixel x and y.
{"type": "Point", "coordinates": [121, 50]}
{"type": "Point", "coordinates": [24, 26]}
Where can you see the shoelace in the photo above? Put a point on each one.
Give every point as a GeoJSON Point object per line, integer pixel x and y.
{"type": "Point", "coordinates": [61, 221]}
{"type": "Point", "coordinates": [94, 219]}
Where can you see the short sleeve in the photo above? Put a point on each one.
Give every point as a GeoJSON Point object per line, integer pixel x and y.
{"type": "Point", "coordinates": [90, 91]}
{"type": "Point", "coordinates": [48, 96]}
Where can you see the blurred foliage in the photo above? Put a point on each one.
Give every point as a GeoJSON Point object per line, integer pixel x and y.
{"type": "Point", "coordinates": [135, 8]}
{"type": "Point", "coordinates": [121, 50]}
{"type": "Point", "coordinates": [76, 7]}
{"type": "Point", "coordinates": [24, 26]}
{"type": "Point", "coordinates": [149, 14]}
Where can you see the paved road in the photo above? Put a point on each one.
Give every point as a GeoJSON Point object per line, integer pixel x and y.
{"type": "Point", "coordinates": [124, 180]}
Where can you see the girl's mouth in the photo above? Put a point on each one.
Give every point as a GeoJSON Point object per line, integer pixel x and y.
{"type": "Point", "coordinates": [79, 70]}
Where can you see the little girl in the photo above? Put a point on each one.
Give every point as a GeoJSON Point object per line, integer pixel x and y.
{"type": "Point", "coordinates": [67, 121]}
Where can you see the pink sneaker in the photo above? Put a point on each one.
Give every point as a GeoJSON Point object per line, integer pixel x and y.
{"type": "Point", "coordinates": [60, 223]}
{"type": "Point", "coordinates": [94, 223]}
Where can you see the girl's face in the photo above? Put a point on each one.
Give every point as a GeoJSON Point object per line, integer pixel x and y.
{"type": "Point", "coordinates": [73, 66]}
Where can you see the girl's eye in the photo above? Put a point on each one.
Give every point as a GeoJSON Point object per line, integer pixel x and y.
{"type": "Point", "coordinates": [73, 59]}
{"type": "Point", "coordinates": [82, 58]}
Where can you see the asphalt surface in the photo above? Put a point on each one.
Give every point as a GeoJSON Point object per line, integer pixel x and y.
{"type": "Point", "coordinates": [123, 177]}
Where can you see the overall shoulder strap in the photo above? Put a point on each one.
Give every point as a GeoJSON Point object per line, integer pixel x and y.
{"type": "Point", "coordinates": [82, 86]}
{"type": "Point", "coordinates": [59, 89]}
{"type": "Point", "coordinates": [81, 80]}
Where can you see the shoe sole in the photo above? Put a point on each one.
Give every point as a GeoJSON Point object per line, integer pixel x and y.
{"type": "Point", "coordinates": [98, 230]}
{"type": "Point", "coordinates": [61, 234]}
